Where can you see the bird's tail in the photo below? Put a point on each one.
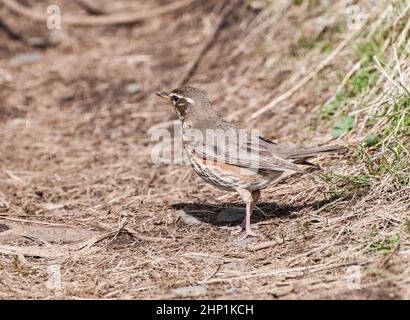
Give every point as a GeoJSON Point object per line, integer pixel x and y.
{"type": "Point", "coordinates": [302, 154]}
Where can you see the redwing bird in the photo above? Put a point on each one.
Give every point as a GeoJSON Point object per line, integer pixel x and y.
{"type": "Point", "coordinates": [231, 158]}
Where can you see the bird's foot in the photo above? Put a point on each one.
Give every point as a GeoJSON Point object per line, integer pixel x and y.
{"type": "Point", "coordinates": [249, 233]}
{"type": "Point", "coordinates": [237, 229]}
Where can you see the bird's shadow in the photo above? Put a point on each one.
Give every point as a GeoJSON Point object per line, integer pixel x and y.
{"type": "Point", "coordinates": [212, 214]}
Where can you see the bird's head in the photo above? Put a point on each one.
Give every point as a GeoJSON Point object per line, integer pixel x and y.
{"type": "Point", "coordinates": [189, 103]}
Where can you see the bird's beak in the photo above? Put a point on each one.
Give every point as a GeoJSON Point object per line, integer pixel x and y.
{"type": "Point", "coordinates": [164, 95]}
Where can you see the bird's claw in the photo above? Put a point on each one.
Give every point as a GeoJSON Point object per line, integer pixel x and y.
{"type": "Point", "coordinates": [249, 233]}
{"type": "Point", "coordinates": [237, 229]}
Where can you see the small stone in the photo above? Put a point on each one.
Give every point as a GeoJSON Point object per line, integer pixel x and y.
{"type": "Point", "coordinates": [25, 58]}
{"type": "Point", "coordinates": [187, 219]}
{"type": "Point", "coordinates": [282, 291]}
{"type": "Point", "coordinates": [245, 242]}
{"type": "Point", "coordinates": [189, 291]}
{"type": "Point", "coordinates": [232, 291]}
{"type": "Point", "coordinates": [230, 215]}
{"type": "Point", "coordinates": [37, 41]}
{"type": "Point", "coordinates": [133, 87]}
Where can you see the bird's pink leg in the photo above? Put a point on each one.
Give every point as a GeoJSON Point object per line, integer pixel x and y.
{"type": "Point", "coordinates": [250, 199]}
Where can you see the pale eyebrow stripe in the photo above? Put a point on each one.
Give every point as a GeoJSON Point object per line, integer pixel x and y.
{"type": "Point", "coordinates": [181, 97]}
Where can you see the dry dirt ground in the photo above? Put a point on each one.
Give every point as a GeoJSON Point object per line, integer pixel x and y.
{"type": "Point", "coordinates": [84, 211]}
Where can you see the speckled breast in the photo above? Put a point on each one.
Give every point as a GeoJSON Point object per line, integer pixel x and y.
{"type": "Point", "coordinates": [230, 177]}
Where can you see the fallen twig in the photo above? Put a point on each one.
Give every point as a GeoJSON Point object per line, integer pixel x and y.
{"type": "Point", "coordinates": [206, 45]}
{"type": "Point", "coordinates": [256, 274]}
{"type": "Point", "coordinates": [9, 30]}
{"type": "Point", "coordinates": [86, 245]}
{"type": "Point", "coordinates": [263, 245]}
{"type": "Point", "coordinates": [101, 20]}
{"type": "Point", "coordinates": [140, 236]}
{"type": "Point", "coordinates": [7, 217]}
{"type": "Point", "coordinates": [383, 262]}
{"type": "Point", "coordinates": [33, 251]}
{"type": "Point", "coordinates": [90, 7]}
{"type": "Point", "coordinates": [12, 33]}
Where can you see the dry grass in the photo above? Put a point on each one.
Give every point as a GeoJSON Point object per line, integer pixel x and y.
{"type": "Point", "coordinates": [78, 187]}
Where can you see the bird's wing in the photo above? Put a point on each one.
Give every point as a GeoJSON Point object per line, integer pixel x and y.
{"type": "Point", "coordinates": [240, 148]}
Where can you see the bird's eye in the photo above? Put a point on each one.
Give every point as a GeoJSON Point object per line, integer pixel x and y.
{"type": "Point", "coordinates": [175, 99]}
